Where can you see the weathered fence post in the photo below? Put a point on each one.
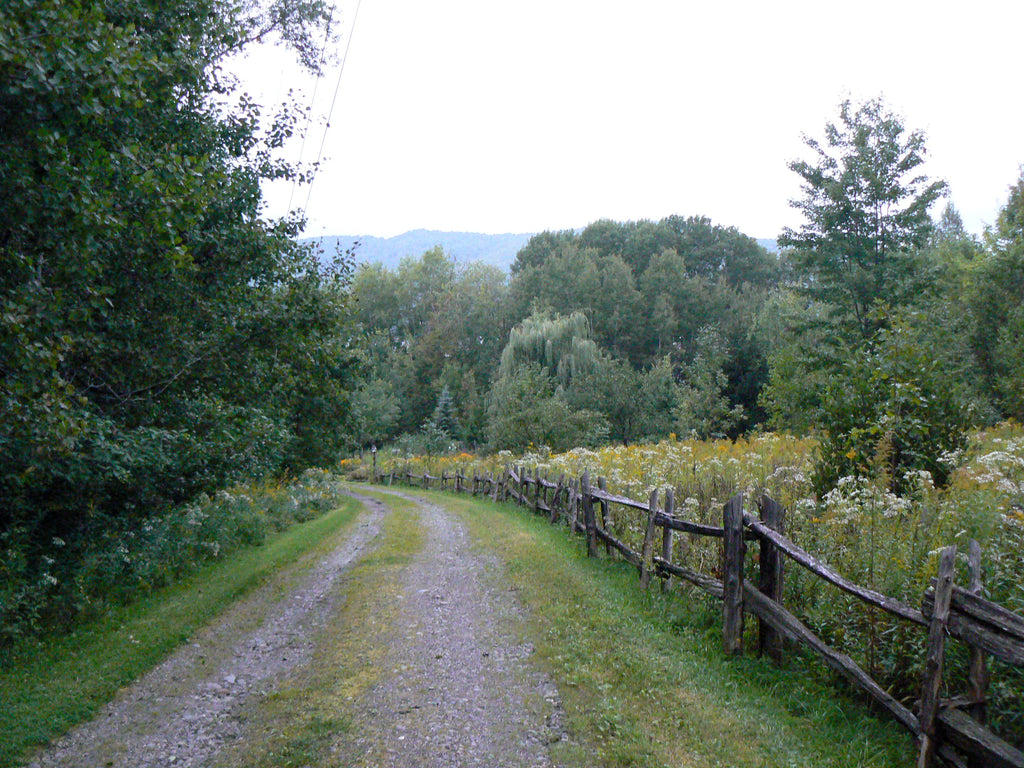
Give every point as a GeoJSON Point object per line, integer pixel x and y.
{"type": "Point", "coordinates": [647, 553]}
{"type": "Point", "coordinates": [977, 679]}
{"type": "Point", "coordinates": [536, 491]}
{"type": "Point", "coordinates": [587, 504]}
{"type": "Point", "coordinates": [666, 534]}
{"type": "Point", "coordinates": [933, 660]}
{"type": "Point", "coordinates": [732, 575]}
{"type": "Point", "coordinates": [574, 504]}
{"type": "Point", "coordinates": [605, 515]}
{"type": "Point", "coordinates": [772, 514]}
{"type": "Point", "coordinates": [556, 499]}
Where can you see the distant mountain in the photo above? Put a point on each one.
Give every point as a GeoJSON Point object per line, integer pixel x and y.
{"type": "Point", "coordinates": [497, 250]}
{"type": "Point", "coordinates": [464, 247]}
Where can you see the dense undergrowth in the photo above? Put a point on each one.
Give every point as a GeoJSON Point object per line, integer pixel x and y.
{"type": "Point", "coordinates": [883, 541]}
{"type": "Point", "coordinates": [113, 564]}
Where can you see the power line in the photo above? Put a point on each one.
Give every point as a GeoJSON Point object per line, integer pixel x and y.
{"type": "Point", "coordinates": [330, 112]}
{"type": "Point", "coordinates": [312, 98]}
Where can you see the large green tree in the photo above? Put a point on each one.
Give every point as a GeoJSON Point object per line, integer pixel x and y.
{"type": "Point", "coordinates": [865, 202]}
{"type": "Point", "coordinates": [890, 404]}
{"type": "Point", "coordinates": [158, 336]}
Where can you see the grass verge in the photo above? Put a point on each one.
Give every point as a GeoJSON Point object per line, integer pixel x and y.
{"type": "Point", "coordinates": [55, 683]}
{"type": "Point", "coordinates": [643, 681]}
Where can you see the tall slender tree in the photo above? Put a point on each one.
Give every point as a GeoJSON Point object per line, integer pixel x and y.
{"type": "Point", "coordinates": [865, 202]}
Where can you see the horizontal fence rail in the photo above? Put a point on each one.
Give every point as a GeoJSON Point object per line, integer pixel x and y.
{"type": "Point", "coordinates": [942, 726]}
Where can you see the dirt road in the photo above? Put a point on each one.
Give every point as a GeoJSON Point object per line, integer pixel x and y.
{"type": "Point", "coordinates": [453, 683]}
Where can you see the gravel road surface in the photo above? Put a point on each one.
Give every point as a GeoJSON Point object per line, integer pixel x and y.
{"type": "Point", "coordinates": [457, 685]}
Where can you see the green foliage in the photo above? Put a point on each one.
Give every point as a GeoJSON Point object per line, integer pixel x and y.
{"type": "Point", "coordinates": [375, 411]}
{"type": "Point", "coordinates": [802, 358]}
{"type": "Point", "coordinates": [1009, 354]}
{"type": "Point", "coordinates": [445, 418]}
{"type": "Point", "coordinates": [561, 346]}
{"type": "Point", "coordinates": [865, 204]}
{"type": "Point", "coordinates": [996, 302]}
{"type": "Point", "coordinates": [63, 581]}
{"type": "Point", "coordinates": [525, 411]}
{"type": "Point", "coordinates": [703, 409]}
{"type": "Point", "coordinates": [645, 287]}
{"type": "Point", "coordinates": [159, 338]}
{"type": "Point", "coordinates": [431, 325]}
{"type": "Point", "coordinates": [890, 413]}
{"type": "Point", "coordinates": [658, 399]}
{"type": "Point", "coordinates": [612, 388]}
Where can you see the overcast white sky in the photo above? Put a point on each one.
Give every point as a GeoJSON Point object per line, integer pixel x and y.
{"type": "Point", "coordinates": [522, 116]}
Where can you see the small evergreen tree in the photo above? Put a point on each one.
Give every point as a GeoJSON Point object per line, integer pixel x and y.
{"type": "Point", "coordinates": [445, 416]}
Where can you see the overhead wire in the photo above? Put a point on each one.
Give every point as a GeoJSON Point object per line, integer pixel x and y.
{"type": "Point", "coordinates": [330, 111]}
{"type": "Point", "coordinates": [312, 98]}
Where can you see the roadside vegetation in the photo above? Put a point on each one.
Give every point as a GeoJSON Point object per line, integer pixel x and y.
{"type": "Point", "coordinates": [48, 685]}
{"type": "Point", "coordinates": [872, 535]}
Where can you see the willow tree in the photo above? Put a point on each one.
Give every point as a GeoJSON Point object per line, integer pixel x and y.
{"type": "Point", "coordinates": [561, 346]}
{"type": "Point", "coordinates": [529, 402]}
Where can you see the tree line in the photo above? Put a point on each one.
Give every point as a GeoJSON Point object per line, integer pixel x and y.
{"type": "Point", "coordinates": [885, 330]}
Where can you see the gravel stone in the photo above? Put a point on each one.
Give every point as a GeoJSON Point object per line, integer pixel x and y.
{"type": "Point", "coordinates": [463, 689]}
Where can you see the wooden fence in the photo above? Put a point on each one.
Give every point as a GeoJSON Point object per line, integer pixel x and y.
{"type": "Point", "coordinates": [949, 729]}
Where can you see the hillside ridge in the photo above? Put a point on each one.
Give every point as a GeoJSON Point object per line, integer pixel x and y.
{"type": "Point", "coordinates": [497, 250]}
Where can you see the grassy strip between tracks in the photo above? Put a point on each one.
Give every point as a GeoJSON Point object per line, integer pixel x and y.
{"type": "Point", "coordinates": [58, 682]}
{"type": "Point", "coordinates": [642, 677]}
{"type": "Point", "coordinates": [308, 720]}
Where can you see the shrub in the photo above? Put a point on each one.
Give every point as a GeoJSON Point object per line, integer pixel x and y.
{"type": "Point", "coordinates": [891, 412]}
